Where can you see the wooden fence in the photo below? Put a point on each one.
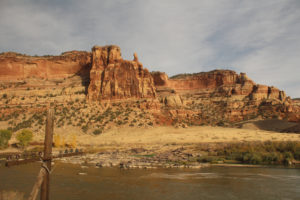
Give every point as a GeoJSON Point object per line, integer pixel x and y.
{"type": "Point", "coordinates": [43, 179]}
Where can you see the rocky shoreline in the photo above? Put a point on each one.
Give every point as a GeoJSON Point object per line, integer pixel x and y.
{"type": "Point", "coordinates": [191, 156]}
{"type": "Point", "coordinates": [137, 158]}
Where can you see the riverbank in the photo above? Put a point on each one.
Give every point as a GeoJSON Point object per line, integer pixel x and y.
{"type": "Point", "coordinates": [192, 155]}
{"type": "Point", "coordinates": [192, 147]}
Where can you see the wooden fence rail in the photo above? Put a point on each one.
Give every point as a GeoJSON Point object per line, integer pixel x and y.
{"type": "Point", "coordinates": [13, 162]}
{"type": "Point", "coordinates": [43, 179]}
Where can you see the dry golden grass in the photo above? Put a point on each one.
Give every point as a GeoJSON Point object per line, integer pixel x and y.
{"type": "Point", "coordinates": [171, 135]}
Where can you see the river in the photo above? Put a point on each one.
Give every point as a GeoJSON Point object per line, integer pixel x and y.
{"type": "Point", "coordinates": [161, 184]}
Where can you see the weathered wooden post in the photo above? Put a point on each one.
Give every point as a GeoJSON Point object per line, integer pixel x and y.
{"type": "Point", "coordinates": [43, 179]}
{"type": "Point", "coordinates": [47, 154]}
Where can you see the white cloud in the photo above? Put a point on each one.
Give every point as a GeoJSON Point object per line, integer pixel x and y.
{"type": "Point", "coordinates": [260, 38]}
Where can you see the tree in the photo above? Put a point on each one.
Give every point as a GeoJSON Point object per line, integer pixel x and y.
{"type": "Point", "coordinates": [5, 136]}
{"type": "Point", "coordinates": [24, 137]}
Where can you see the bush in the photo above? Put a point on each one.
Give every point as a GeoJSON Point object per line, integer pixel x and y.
{"type": "Point", "coordinates": [85, 128]}
{"type": "Point", "coordinates": [59, 141]}
{"type": "Point", "coordinates": [288, 157]}
{"type": "Point", "coordinates": [97, 131]}
{"type": "Point", "coordinates": [208, 159]}
{"type": "Point", "coordinates": [261, 152]}
{"type": "Point", "coordinates": [271, 158]}
{"type": "Point", "coordinates": [24, 137]}
{"type": "Point", "coordinates": [24, 124]}
{"type": "Point", "coordinates": [73, 141]}
{"type": "Point", "coordinates": [5, 136]}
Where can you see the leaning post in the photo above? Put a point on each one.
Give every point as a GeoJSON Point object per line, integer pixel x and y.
{"type": "Point", "coordinates": [47, 154]}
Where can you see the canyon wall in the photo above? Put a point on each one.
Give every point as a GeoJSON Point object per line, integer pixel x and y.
{"type": "Point", "coordinates": [217, 83]}
{"type": "Point", "coordinates": [17, 67]}
{"type": "Point", "coordinates": [224, 95]}
{"type": "Point", "coordinates": [103, 78]}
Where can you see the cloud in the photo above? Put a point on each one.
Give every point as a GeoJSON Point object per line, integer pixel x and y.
{"type": "Point", "coordinates": [260, 38]}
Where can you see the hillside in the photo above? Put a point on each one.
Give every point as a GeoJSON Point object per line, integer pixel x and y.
{"type": "Point", "coordinates": [95, 91]}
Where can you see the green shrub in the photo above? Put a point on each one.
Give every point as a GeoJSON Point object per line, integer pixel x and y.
{"type": "Point", "coordinates": [297, 154]}
{"type": "Point", "coordinates": [23, 124]}
{"type": "Point", "coordinates": [5, 136]}
{"type": "Point", "coordinates": [260, 152]}
{"type": "Point", "coordinates": [24, 137]}
{"type": "Point", "coordinates": [85, 128]}
{"type": "Point", "coordinates": [207, 159]}
{"type": "Point", "coordinates": [256, 158]}
{"type": "Point", "coordinates": [288, 157]}
{"type": "Point", "coordinates": [271, 158]}
{"type": "Point", "coordinates": [97, 131]}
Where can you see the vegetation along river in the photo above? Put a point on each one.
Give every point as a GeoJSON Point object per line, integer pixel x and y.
{"type": "Point", "coordinates": [70, 181]}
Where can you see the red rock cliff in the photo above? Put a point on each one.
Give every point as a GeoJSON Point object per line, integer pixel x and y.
{"type": "Point", "coordinates": [111, 77]}
{"type": "Point", "coordinates": [203, 98]}
{"type": "Point", "coordinates": [15, 66]}
{"type": "Point", "coordinates": [218, 83]}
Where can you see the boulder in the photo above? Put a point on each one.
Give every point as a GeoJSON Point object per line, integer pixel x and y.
{"type": "Point", "coordinates": [173, 101]}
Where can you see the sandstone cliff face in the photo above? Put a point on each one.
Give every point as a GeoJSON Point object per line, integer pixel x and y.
{"type": "Point", "coordinates": [16, 67]}
{"type": "Point", "coordinates": [223, 95]}
{"type": "Point", "coordinates": [111, 77]}
{"type": "Point", "coordinates": [219, 97]}
{"type": "Point", "coordinates": [218, 83]}
{"type": "Point", "coordinates": [204, 80]}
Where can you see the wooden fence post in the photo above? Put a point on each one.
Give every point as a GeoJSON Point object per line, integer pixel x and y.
{"type": "Point", "coordinates": [43, 178]}
{"type": "Point", "coordinates": [47, 154]}
{"type": "Point", "coordinates": [37, 185]}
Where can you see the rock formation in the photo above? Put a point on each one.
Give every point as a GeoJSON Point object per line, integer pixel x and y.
{"type": "Point", "coordinates": [217, 83]}
{"type": "Point", "coordinates": [224, 83]}
{"type": "Point", "coordinates": [223, 95]}
{"type": "Point", "coordinates": [16, 67]}
{"type": "Point", "coordinates": [123, 92]}
{"type": "Point", "coordinates": [111, 77]}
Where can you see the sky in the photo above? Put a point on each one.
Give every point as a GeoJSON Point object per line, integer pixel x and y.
{"type": "Point", "coordinates": [258, 37]}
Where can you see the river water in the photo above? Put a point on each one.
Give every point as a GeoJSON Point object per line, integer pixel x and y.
{"type": "Point", "coordinates": [114, 183]}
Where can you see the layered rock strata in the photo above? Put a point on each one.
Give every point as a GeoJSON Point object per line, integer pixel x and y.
{"type": "Point", "coordinates": [18, 67]}
{"type": "Point", "coordinates": [217, 83]}
{"type": "Point", "coordinates": [111, 77]}
{"type": "Point", "coordinates": [219, 97]}
{"type": "Point", "coordinates": [224, 95]}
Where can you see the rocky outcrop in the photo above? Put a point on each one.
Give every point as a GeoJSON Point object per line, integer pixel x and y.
{"type": "Point", "coordinates": [160, 78]}
{"type": "Point", "coordinates": [223, 95]}
{"type": "Point", "coordinates": [111, 77]}
{"type": "Point", "coordinates": [203, 80]}
{"type": "Point", "coordinates": [173, 101]}
{"type": "Point", "coordinates": [222, 83]}
{"type": "Point", "coordinates": [16, 67]}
